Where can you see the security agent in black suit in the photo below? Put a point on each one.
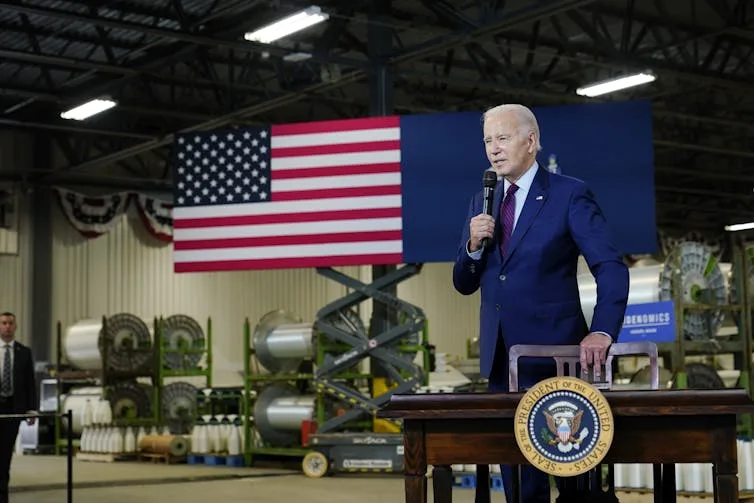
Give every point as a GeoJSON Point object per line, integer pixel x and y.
{"type": "Point", "coordinates": [18, 393]}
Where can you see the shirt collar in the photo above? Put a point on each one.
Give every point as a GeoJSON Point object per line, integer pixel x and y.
{"type": "Point", "coordinates": [524, 183]}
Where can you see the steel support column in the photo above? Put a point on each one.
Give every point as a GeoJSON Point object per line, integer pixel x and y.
{"type": "Point", "coordinates": [41, 255]}
{"type": "Point", "coordinates": [380, 45]}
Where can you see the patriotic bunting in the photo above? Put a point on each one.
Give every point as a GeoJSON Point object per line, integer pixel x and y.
{"type": "Point", "coordinates": [93, 216]}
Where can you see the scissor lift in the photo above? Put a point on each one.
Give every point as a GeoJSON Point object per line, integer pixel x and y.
{"type": "Point", "coordinates": [334, 450]}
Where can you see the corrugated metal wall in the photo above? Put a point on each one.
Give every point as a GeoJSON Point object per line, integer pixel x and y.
{"type": "Point", "coordinates": [15, 243]}
{"type": "Point", "coordinates": [453, 317]}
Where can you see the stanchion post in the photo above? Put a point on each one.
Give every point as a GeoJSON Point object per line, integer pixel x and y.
{"type": "Point", "coordinates": [69, 455]}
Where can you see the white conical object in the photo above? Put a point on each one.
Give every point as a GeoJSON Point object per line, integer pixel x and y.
{"type": "Point", "coordinates": [113, 445]}
{"type": "Point", "coordinates": [192, 440]}
{"type": "Point", "coordinates": [107, 412]}
{"type": "Point", "coordinates": [202, 446]}
{"type": "Point", "coordinates": [748, 449]}
{"type": "Point", "coordinates": [213, 439]}
{"type": "Point", "coordinates": [695, 481]}
{"type": "Point", "coordinates": [97, 440]}
{"type": "Point", "coordinates": [129, 441]}
{"type": "Point", "coordinates": [153, 430]}
{"type": "Point", "coordinates": [709, 480]}
{"type": "Point", "coordinates": [84, 440]}
{"type": "Point", "coordinates": [86, 414]}
{"type": "Point", "coordinates": [649, 476]}
{"type": "Point", "coordinates": [234, 442]}
{"type": "Point", "coordinates": [740, 459]}
{"type": "Point", "coordinates": [165, 431]}
{"type": "Point", "coordinates": [635, 476]}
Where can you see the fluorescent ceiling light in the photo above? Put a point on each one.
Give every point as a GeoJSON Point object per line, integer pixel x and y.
{"type": "Point", "coordinates": [739, 227]}
{"type": "Point", "coordinates": [288, 25]}
{"type": "Point", "coordinates": [612, 85]}
{"type": "Point", "coordinates": [296, 57]}
{"type": "Point", "coordinates": [88, 109]}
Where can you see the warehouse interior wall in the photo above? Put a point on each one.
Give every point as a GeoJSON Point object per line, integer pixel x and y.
{"type": "Point", "coordinates": [15, 240]}
{"type": "Point", "coordinates": [128, 270]}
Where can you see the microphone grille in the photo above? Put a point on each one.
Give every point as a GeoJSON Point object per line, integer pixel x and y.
{"type": "Point", "coordinates": [489, 179]}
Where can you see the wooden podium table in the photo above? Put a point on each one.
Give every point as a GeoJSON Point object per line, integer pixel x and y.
{"type": "Point", "coordinates": [660, 427]}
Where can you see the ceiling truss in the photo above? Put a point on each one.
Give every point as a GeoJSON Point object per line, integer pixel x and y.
{"type": "Point", "coordinates": [182, 65]}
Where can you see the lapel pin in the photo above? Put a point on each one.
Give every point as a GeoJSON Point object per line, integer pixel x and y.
{"type": "Point", "coordinates": [539, 198]}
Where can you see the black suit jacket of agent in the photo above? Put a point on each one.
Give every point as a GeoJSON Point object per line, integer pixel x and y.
{"type": "Point", "coordinates": [24, 385]}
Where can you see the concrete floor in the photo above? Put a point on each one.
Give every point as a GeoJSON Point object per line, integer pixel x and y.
{"type": "Point", "coordinates": [41, 479]}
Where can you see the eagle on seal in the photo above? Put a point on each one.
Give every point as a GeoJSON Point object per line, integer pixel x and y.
{"type": "Point", "coordinates": [563, 427]}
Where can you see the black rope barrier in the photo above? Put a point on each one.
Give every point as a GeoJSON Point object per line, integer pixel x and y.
{"type": "Point", "coordinates": [68, 440]}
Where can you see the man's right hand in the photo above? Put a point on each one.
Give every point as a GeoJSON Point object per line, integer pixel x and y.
{"type": "Point", "coordinates": [481, 226]}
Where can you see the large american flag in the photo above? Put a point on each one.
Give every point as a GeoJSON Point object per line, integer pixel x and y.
{"type": "Point", "coordinates": [313, 194]}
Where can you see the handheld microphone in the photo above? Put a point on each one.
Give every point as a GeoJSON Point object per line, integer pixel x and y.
{"type": "Point", "coordinates": [489, 180]}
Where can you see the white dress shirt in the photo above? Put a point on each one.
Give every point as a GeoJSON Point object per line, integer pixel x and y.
{"type": "Point", "coordinates": [524, 184]}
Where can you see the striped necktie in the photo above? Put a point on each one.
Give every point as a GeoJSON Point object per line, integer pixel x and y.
{"type": "Point", "coordinates": [6, 387]}
{"type": "Point", "coordinates": [507, 214]}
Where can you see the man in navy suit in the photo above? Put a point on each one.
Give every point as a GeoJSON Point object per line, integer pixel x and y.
{"type": "Point", "coordinates": [540, 225]}
{"type": "Point", "coordinates": [18, 394]}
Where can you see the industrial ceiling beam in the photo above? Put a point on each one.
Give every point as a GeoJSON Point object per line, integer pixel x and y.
{"type": "Point", "coordinates": [174, 35]}
{"type": "Point", "coordinates": [15, 124]}
{"type": "Point", "coordinates": [508, 20]}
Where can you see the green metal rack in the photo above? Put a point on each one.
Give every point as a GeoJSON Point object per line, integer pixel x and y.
{"type": "Point", "coordinates": [155, 370]}
{"type": "Point", "coordinates": [739, 344]}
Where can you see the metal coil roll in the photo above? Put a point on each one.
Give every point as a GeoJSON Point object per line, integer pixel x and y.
{"type": "Point", "coordinates": [130, 400]}
{"type": "Point", "coordinates": [282, 341]}
{"type": "Point", "coordinates": [703, 280]}
{"type": "Point", "coordinates": [278, 412]}
{"type": "Point", "coordinates": [178, 402]}
{"type": "Point", "coordinates": [127, 338]}
{"type": "Point", "coordinates": [182, 332]}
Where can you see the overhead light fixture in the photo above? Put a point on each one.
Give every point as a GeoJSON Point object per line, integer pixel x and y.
{"type": "Point", "coordinates": [297, 57]}
{"type": "Point", "coordinates": [88, 109]}
{"type": "Point", "coordinates": [739, 227]}
{"type": "Point", "coordinates": [612, 85]}
{"type": "Point", "coordinates": [288, 25]}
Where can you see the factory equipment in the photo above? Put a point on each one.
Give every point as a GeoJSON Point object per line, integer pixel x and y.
{"type": "Point", "coordinates": [279, 411]}
{"type": "Point", "coordinates": [325, 354]}
{"type": "Point", "coordinates": [703, 281]}
{"type": "Point", "coordinates": [183, 343]}
{"type": "Point", "coordinates": [122, 341]}
{"type": "Point", "coordinates": [178, 404]}
{"type": "Point", "coordinates": [116, 353]}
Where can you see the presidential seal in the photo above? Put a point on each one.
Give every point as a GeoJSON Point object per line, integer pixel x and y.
{"type": "Point", "coordinates": [564, 426]}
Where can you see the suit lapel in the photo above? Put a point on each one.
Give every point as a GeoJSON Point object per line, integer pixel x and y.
{"type": "Point", "coordinates": [17, 363]}
{"type": "Point", "coordinates": [535, 200]}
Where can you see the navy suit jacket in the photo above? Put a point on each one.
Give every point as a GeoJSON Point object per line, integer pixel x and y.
{"type": "Point", "coordinates": [531, 295]}
{"type": "Point", "coordinates": [24, 381]}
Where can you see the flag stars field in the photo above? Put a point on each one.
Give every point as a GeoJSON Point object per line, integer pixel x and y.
{"type": "Point", "coordinates": [296, 195]}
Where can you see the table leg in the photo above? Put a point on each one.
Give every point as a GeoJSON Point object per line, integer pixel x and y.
{"type": "Point", "coordinates": [725, 474]}
{"type": "Point", "coordinates": [667, 485]}
{"type": "Point", "coordinates": [657, 482]}
{"type": "Point", "coordinates": [416, 488]}
{"type": "Point", "coordinates": [442, 483]}
{"type": "Point", "coordinates": [414, 462]}
{"type": "Point", "coordinates": [725, 483]}
{"type": "Point", "coordinates": [482, 490]}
